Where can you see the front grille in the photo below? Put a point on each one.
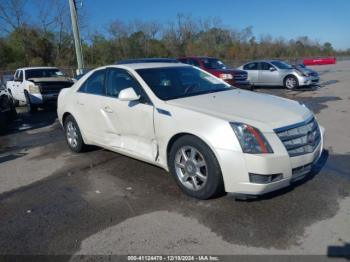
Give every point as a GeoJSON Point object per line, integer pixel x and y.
{"type": "Point", "coordinates": [240, 77]}
{"type": "Point", "coordinates": [53, 87]}
{"type": "Point", "coordinates": [301, 138]}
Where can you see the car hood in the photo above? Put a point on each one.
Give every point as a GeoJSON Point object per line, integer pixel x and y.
{"type": "Point", "coordinates": [306, 70]}
{"type": "Point", "coordinates": [50, 79]}
{"type": "Point", "coordinates": [265, 112]}
{"type": "Point", "coordinates": [230, 71]}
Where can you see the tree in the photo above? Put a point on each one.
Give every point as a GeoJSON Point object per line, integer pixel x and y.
{"type": "Point", "coordinates": [328, 48]}
{"type": "Point", "coordinates": [12, 14]}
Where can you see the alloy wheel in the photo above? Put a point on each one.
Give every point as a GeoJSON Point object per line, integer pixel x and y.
{"type": "Point", "coordinates": [191, 168]}
{"type": "Point", "coordinates": [72, 134]}
{"type": "Point", "coordinates": [291, 82]}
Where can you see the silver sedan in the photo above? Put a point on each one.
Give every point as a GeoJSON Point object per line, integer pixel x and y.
{"type": "Point", "coordinates": [277, 73]}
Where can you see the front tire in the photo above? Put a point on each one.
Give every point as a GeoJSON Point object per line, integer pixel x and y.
{"type": "Point", "coordinates": [73, 135]}
{"type": "Point", "coordinates": [291, 82]}
{"type": "Point", "coordinates": [195, 168]}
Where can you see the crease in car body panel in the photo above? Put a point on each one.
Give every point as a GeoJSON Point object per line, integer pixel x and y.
{"type": "Point", "coordinates": [84, 109]}
{"type": "Point", "coordinates": [122, 126]}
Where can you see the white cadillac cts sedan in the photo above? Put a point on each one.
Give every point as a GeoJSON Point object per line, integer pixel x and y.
{"type": "Point", "coordinates": [211, 136]}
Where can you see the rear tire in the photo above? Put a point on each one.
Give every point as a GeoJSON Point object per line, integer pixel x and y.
{"type": "Point", "coordinates": [291, 82]}
{"type": "Point", "coordinates": [195, 168]}
{"type": "Point", "coordinates": [73, 135]}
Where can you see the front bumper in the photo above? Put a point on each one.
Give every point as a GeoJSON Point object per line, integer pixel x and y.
{"type": "Point", "coordinates": [308, 80]}
{"type": "Point", "coordinates": [40, 99]}
{"type": "Point", "coordinates": [236, 166]}
{"type": "Point", "coordinates": [244, 84]}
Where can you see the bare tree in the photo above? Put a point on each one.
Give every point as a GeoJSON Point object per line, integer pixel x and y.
{"type": "Point", "coordinates": [12, 14]}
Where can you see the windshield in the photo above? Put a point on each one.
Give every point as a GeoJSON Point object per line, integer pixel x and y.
{"type": "Point", "coordinates": [40, 73]}
{"type": "Point", "coordinates": [212, 63]}
{"type": "Point", "coordinates": [281, 65]}
{"type": "Point", "coordinates": [175, 82]}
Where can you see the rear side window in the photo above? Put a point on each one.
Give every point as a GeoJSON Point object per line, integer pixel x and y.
{"type": "Point", "coordinates": [95, 84]}
{"type": "Point", "coordinates": [251, 66]}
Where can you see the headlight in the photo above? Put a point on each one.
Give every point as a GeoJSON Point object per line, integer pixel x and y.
{"type": "Point", "coordinates": [251, 139]}
{"type": "Point", "coordinates": [226, 76]}
{"type": "Point", "coordinates": [33, 89]}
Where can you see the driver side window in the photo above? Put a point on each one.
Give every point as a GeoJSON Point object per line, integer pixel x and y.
{"type": "Point", "coordinates": [18, 76]}
{"type": "Point", "coordinates": [120, 79]}
{"type": "Point", "coordinates": [265, 66]}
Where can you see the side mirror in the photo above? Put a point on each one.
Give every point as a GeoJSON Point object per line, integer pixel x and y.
{"type": "Point", "coordinates": [128, 94]}
{"type": "Point", "coordinates": [272, 69]}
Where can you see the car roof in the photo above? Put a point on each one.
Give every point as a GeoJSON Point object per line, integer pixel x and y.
{"type": "Point", "coordinates": [38, 67]}
{"type": "Point", "coordinates": [136, 66]}
{"type": "Point", "coordinates": [147, 60]}
{"type": "Point", "coordinates": [264, 60]}
{"type": "Point", "coordinates": [198, 57]}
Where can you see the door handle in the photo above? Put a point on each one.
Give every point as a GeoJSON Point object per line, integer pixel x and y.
{"type": "Point", "coordinates": [107, 109]}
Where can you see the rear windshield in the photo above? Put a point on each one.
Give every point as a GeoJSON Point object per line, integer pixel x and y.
{"type": "Point", "coordinates": [40, 73]}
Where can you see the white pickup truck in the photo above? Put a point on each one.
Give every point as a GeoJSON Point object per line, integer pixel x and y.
{"type": "Point", "coordinates": [37, 86]}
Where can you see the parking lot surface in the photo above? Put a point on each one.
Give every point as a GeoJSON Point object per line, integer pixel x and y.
{"type": "Point", "coordinates": [53, 201]}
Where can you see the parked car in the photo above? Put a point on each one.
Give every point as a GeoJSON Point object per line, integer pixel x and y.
{"type": "Point", "coordinates": [211, 136]}
{"type": "Point", "coordinates": [37, 86]}
{"type": "Point", "coordinates": [277, 73]}
{"type": "Point", "coordinates": [305, 70]}
{"type": "Point", "coordinates": [216, 67]}
{"type": "Point", "coordinates": [7, 108]}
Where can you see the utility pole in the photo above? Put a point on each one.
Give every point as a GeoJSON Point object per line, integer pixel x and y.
{"type": "Point", "coordinates": [77, 42]}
